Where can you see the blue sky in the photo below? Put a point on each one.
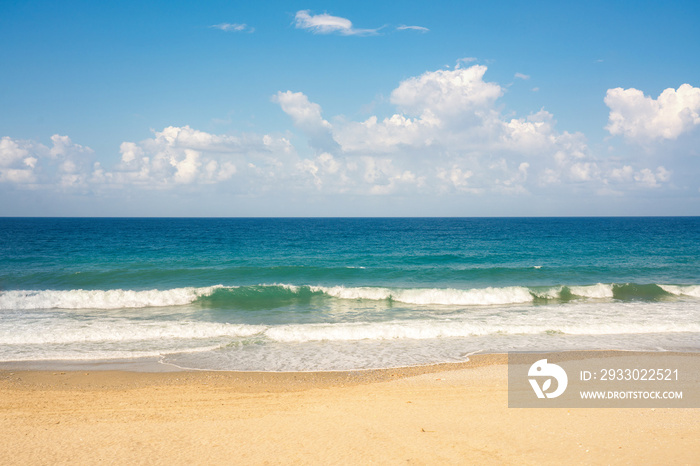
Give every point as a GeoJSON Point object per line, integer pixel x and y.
{"type": "Point", "coordinates": [349, 108]}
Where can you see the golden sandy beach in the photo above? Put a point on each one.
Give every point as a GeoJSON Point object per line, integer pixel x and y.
{"type": "Point", "coordinates": [454, 414]}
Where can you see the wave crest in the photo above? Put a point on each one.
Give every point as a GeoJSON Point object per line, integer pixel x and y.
{"type": "Point", "coordinates": [101, 299]}
{"type": "Point", "coordinates": [687, 290]}
{"type": "Point", "coordinates": [440, 296]}
{"type": "Point", "coordinates": [274, 295]}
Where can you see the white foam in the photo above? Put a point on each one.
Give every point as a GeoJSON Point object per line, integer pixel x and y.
{"type": "Point", "coordinates": [549, 293]}
{"type": "Point", "coordinates": [423, 330]}
{"type": "Point", "coordinates": [101, 299]}
{"type": "Point", "coordinates": [106, 331]}
{"type": "Point", "coordinates": [354, 292]}
{"type": "Point", "coordinates": [427, 296]}
{"type": "Point", "coordinates": [81, 354]}
{"type": "Point", "coordinates": [46, 334]}
{"type": "Point", "coordinates": [688, 290]}
{"type": "Point", "coordinates": [292, 288]}
{"type": "Point", "coordinates": [416, 330]}
{"type": "Point", "coordinates": [598, 291]}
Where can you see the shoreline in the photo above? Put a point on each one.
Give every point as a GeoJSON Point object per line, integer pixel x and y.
{"type": "Point", "coordinates": [155, 365]}
{"type": "Point", "coordinates": [435, 414]}
{"type": "Point", "coordinates": [92, 376]}
{"type": "Point", "coordinates": [128, 374]}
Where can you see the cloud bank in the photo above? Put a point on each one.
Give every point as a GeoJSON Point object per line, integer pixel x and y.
{"type": "Point", "coordinates": [447, 138]}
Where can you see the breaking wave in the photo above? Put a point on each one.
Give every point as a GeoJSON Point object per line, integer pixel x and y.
{"type": "Point", "coordinates": [419, 329]}
{"type": "Point", "coordinates": [101, 299]}
{"type": "Point", "coordinates": [281, 294]}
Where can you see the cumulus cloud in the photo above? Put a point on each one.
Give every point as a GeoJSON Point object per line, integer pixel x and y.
{"type": "Point", "coordinates": [651, 179]}
{"type": "Point", "coordinates": [175, 156]}
{"type": "Point", "coordinates": [130, 152]}
{"type": "Point", "coordinates": [35, 165]}
{"type": "Point", "coordinates": [446, 93]}
{"type": "Point", "coordinates": [642, 119]}
{"type": "Point", "coordinates": [307, 117]}
{"type": "Point", "coordinates": [449, 130]}
{"type": "Point", "coordinates": [456, 177]}
{"type": "Point", "coordinates": [386, 136]}
{"type": "Point", "coordinates": [364, 175]}
{"type": "Point", "coordinates": [327, 24]}
{"type": "Point", "coordinates": [184, 155]}
{"type": "Point", "coordinates": [189, 138]}
{"type": "Point", "coordinates": [11, 152]}
{"type": "Point", "coordinates": [445, 136]}
{"type": "Point", "coordinates": [437, 108]}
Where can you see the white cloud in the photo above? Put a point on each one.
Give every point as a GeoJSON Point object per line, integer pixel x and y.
{"type": "Point", "coordinates": [549, 176]}
{"type": "Point", "coordinates": [305, 114]}
{"type": "Point", "coordinates": [641, 119]}
{"type": "Point", "coordinates": [385, 178]}
{"type": "Point", "coordinates": [446, 93]}
{"type": "Point", "coordinates": [446, 136]}
{"type": "Point", "coordinates": [535, 133]}
{"type": "Point", "coordinates": [583, 171]}
{"type": "Point", "coordinates": [16, 163]}
{"type": "Point", "coordinates": [396, 182]}
{"type": "Point", "coordinates": [188, 138]}
{"type": "Point", "coordinates": [465, 61]}
{"type": "Point", "coordinates": [63, 146]}
{"type": "Point", "coordinates": [307, 117]}
{"type": "Point", "coordinates": [187, 168]}
{"type": "Point", "coordinates": [643, 178]}
{"type": "Point", "coordinates": [649, 179]}
{"type": "Point", "coordinates": [623, 174]}
{"type": "Point", "coordinates": [663, 175]}
{"type": "Point", "coordinates": [233, 27]}
{"type": "Point", "coordinates": [130, 152]}
{"type": "Point", "coordinates": [449, 131]}
{"type": "Point", "coordinates": [17, 176]}
{"type": "Point", "coordinates": [327, 24]}
{"type": "Point", "coordinates": [646, 177]}
{"type": "Point", "coordinates": [359, 176]}
{"type": "Point", "coordinates": [35, 165]}
{"type": "Point", "coordinates": [183, 155]}
{"type": "Point", "coordinates": [175, 156]}
{"type": "Point", "coordinates": [216, 172]}
{"type": "Point", "coordinates": [456, 177]}
{"type": "Point", "coordinates": [386, 136]}
{"type": "Point", "coordinates": [403, 27]}
{"type": "Point", "coordinates": [522, 76]}
{"type": "Point", "coordinates": [11, 152]}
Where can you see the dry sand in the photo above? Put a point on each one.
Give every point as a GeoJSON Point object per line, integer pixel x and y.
{"type": "Point", "coordinates": [455, 414]}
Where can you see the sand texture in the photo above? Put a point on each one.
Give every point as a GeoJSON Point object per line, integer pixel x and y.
{"type": "Point", "coordinates": [446, 414]}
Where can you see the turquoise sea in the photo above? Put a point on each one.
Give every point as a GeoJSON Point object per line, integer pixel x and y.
{"type": "Point", "coordinates": [324, 294]}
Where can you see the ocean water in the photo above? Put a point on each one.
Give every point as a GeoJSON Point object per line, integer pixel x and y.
{"type": "Point", "coordinates": [331, 294]}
